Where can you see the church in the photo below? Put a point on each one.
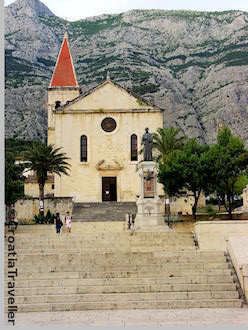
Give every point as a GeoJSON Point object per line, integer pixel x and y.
{"type": "Point", "coordinates": [100, 132]}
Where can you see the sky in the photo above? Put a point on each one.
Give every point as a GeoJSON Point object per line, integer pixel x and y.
{"type": "Point", "coordinates": [76, 9]}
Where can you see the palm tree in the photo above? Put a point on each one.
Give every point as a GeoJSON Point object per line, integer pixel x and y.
{"type": "Point", "coordinates": [165, 141]}
{"type": "Point", "coordinates": [44, 159]}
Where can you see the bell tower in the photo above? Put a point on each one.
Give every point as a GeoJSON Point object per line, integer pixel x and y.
{"type": "Point", "coordinates": [63, 85]}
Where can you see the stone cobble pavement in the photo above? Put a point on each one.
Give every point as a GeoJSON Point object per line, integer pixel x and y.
{"type": "Point", "coordinates": [157, 318]}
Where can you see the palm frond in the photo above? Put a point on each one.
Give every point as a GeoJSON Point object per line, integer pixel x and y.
{"type": "Point", "coordinates": [44, 159]}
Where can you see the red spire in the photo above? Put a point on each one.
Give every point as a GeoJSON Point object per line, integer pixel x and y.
{"type": "Point", "coordinates": [64, 73]}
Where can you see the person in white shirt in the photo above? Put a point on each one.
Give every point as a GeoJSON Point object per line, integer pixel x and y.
{"type": "Point", "coordinates": [68, 221]}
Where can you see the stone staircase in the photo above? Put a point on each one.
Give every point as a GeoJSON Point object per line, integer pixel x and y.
{"type": "Point", "coordinates": [105, 211]}
{"type": "Point", "coordinates": [101, 266]}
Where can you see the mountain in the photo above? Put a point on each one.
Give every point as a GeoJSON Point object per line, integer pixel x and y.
{"type": "Point", "coordinates": [28, 8]}
{"type": "Point", "coordinates": [192, 64]}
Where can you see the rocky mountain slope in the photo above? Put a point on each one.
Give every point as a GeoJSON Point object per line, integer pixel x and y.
{"type": "Point", "coordinates": [192, 64]}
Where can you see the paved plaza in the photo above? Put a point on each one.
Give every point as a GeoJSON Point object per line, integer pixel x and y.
{"type": "Point", "coordinates": [125, 318]}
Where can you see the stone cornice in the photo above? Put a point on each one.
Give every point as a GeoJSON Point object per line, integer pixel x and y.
{"type": "Point", "coordinates": [105, 111]}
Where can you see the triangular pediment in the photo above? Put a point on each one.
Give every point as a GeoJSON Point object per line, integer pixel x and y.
{"type": "Point", "coordinates": [108, 96]}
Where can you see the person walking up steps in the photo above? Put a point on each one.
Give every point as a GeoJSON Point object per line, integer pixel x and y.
{"type": "Point", "coordinates": [68, 221]}
{"type": "Point", "coordinates": [58, 223]}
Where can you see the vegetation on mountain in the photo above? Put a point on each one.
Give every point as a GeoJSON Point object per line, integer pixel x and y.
{"type": "Point", "coordinates": [192, 64]}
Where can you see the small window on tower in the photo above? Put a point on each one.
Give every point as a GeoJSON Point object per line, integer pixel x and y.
{"type": "Point", "coordinates": [57, 104]}
{"type": "Point", "coordinates": [83, 149]}
{"type": "Point", "coordinates": [134, 147]}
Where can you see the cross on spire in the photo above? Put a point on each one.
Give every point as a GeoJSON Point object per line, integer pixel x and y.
{"type": "Point", "coordinates": [108, 75]}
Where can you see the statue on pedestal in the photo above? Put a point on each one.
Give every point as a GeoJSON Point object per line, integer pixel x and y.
{"type": "Point", "coordinates": [147, 141]}
{"type": "Point", "coordinates": [149, 215]}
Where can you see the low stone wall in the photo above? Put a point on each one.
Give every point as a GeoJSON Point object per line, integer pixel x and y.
{"type": "Point", "coordinates": [238, 250]}
{"type": "Point", "coordinates": [183, 205]}
{"type": "Point", "coordinates": [213, 235]}
{"type": "Point", "coordinates": [27, 208]}
{"type": "Point", "coordinates": [245, 199]}
{"type": "Point", "coordinates": [235, 216]}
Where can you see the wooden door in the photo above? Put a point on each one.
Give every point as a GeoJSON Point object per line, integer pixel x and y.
{"type": "Point", "coordinates": [109, 189]}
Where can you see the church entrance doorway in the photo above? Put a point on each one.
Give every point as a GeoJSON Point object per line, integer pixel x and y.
{"type": "Point", "coordinates": [109, 189]}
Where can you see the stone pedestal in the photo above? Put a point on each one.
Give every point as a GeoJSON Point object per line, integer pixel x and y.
{"type": "Point", "coordinates": [149, 205]}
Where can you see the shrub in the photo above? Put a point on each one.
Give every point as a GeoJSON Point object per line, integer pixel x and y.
{"type": "Point", "coordinates": [39, 219]}
{"type": "Point", "coordinates": [49, 218]}
{"type": "Point", "coordinates": [210, 210]}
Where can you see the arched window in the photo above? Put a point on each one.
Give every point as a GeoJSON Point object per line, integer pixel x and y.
{"type": "Point", "coordinates": [134, 147]}
{"type": "Point", "coordinates": [83, 148]}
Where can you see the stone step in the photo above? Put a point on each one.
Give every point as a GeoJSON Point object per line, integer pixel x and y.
{"type": "Point", "coordinates": [79, 227]}
{"type": "Point", "coordinates": [57, 241]}
{"type": "Point", "coordinates": [174, 255]}
{"type": "Point", "coordinates": [107, 264]}
{"type": "Point", "coordinates": [120, 258]}
{"type": "Point", "coordinates": [106, 271]}
{"type": "Point", "coordinates": [84, 231]}
{"type": "Point", "coordinates": [78, 239]}
{"type": "Point", "coordinates": [117, 259]}
{"type": "Point", "coordinates": [125, 297]}
{"type": "Point", "coordinates": [105, 249]}
{"type": "Point", "coordinates": [105, 211]}
{"type": "Point", "coordinates": [189, 250]}
{"type": "Point", "coordinates": [105, 246]}
{"type": "Point", "coordinates": [158, 304]}
{"type": "Point", "coordinates": [85, 262]}
{"type": "Point", "coordinates": [124, 288]}
{"type": "Point", "coordinates": [105, 240]}
{"type": "Point", "coordinates": [123, 257]}
{"type": "Point", "coordinates": [129, 273]}
{"type": "Point", "coordinates": [90, 228]}
{"type": "Point", "coordinates": [65, 279]}
{"type": "Point", "coordinates": [109, 237]}
{"type": "Point", "coordinates": [68, 238]}
{"type": "Point", "coordinates": [101, 266]}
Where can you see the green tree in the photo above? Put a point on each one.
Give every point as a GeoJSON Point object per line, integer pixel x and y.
{"type": "Point", "coordinates": [186, 169]}
{"type": "Point", "coordinates": [165, 141]}
{"type": "Point", "coordinates": [240, 184]}
{"type": "Point", "coordinates": [13, 181]}
{"type": "Point", "coordinates": [229, 159]}
{"type": "Point", "coordinates": [43, 159]}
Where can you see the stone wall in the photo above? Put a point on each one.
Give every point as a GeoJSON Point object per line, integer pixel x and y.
{"type": "Point", "coordinates": [245, 199]}
{"type": "Point", "coordinates": [183, 204]}
{"type": "Point", "coordinates": [238, 250]}
{"type": "Point", "coordinates": [27, 208]}
{"type": "Point", "coordinates": [32, 189]}
{"type": "Point", "coordinates": [214, 235]}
